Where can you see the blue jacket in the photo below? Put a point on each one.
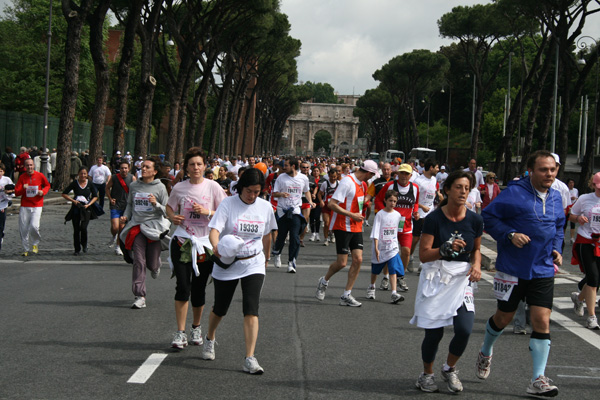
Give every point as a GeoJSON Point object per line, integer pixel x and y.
{"type": "Point", "coordinates": [518, 208]}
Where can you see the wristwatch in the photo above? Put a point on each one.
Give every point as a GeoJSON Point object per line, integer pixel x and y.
{"type": "Point", "coordinates": [511, 236]}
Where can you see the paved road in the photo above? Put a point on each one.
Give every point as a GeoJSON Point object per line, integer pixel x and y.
{"type": "Point", "coordinates": [69, 333]}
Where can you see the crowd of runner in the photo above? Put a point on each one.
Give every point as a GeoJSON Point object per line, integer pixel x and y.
{"type": "Point", "coordinates": [228, 219]}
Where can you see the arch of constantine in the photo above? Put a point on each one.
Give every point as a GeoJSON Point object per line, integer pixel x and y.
{"type": "Point", "coordinates": [336, 119]}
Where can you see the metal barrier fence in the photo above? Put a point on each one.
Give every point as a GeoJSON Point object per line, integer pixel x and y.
{"type": "Point", "coordinates": [20, 129]}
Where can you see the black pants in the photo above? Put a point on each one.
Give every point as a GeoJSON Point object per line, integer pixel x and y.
{"type": "Point", "coordinates": [251, 288]}
{"type": "Point", "coordinates": [463, 325]}
{"type": "Point", "coordinates": [188, 284]}
{"type": "Point", "coordinates": [101, 193]}
{"type": "Point", "coordinates": [2, 222]}
{"type": "Point", "coordinates": [315, 219]}
{"type": "Point", "coordinates": [81, 219]}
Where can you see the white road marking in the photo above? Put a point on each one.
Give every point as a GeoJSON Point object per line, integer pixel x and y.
{"type": "Point", "coordinates": [578, 376]}
{"type": "Point", "coordinates": [146, 370]}
{"type": "Point", "coordinates": [63, 262]}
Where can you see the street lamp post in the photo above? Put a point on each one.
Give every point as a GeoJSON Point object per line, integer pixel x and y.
{"type": "Point", "coordinates": [44, 155]}
{"type": "Point", "coordinates": [584, 46]}
{"type": "Point", "coordinates": [449, 112]}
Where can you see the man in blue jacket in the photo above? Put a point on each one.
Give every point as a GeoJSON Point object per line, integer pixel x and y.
{"type": "Point", "coordinates": [526, 220]}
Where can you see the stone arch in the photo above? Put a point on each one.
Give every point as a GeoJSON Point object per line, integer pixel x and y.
{"type": "Point", "coordinates": [323, 138]}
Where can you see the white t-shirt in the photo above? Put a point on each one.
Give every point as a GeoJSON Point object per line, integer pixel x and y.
{"type": "Point", "coordinates": [427, 193]}
{"type": "Point", "coordinates": [563, 189]}
{"type": "Point", "coordinates": [4, 198]}
{"type": "Point", "coordinates": [478, 176]}
{"type": "Point", "coordinates": [385, 230]}
{"type": "Point", "coordinates": [234, 169]}
{"type": "Point", "coordinates": [589, 206]}
{"type": "Point", "coordinates": [250, 222]}
{"type": "Point", "coordinates": [574, 194]}
{"type": "Point", "coordinates": [414, 176]}
{"type": "Point", "coordinates": [473, 198]}
{"type": "Point", "coordinates": [441, 177]}
{"type": "Point", "coordinates": [99, 174]}
{"type": "Point", "coordinates": [296, 186]}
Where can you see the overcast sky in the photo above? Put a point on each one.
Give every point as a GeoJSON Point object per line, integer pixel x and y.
{"type": "Point", "coordinates": [345, 41]}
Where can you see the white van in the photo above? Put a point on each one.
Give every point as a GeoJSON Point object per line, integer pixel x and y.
{"type": "Point", "coordinates": [391, 155]}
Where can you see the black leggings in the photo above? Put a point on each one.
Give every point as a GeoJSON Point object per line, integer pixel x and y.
{"type": "Point", "coordinates": [463, 325]}
{"type": "Point", "coordinates": [590, 263]}
{"type": "Point", "coordinates": [188, 284]}
{"type": "Point", "coordinates": [315, 219]}
{"type": "Point", "coordinates": [251, 288]}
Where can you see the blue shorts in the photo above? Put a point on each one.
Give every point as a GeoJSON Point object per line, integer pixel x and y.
{"type": "Point", "coordinates": [114, 213]}
{"type": "Point", "coordinates": [394, 264]}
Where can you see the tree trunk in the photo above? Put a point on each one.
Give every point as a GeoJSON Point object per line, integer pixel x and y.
{"type": "Point", "coordinates": [96, 21]}
{"type": "Point", "coordinates": [75, 17]}
{"type": "Point", "coordinates": [123, 73]}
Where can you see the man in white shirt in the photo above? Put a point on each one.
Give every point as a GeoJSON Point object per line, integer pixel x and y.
{"type": "Point", "coordinates": [428, 191]}
{"type": "Point", "coordinates": [235, 167]}
{"type": "Point", "coordinates": [289, 189]}
{"type": "Point", "coordinates": [441, 177]}
{"type": "Point", "coordinates": [473, 169]}
{"type": "Point", "coordinates": [100, 175]}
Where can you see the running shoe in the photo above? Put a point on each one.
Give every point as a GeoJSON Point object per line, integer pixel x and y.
{"type": "Point", "coordinates": [577, 304]}
{"type": "Point", "coordinates": [326, 242]}
{"type": "Point", "coordinates": [385, 283]}
{"type": "Point", "coordinates": [25, 253]}
{"type": "Point", "coordinates": [371, 293]}
{"type": "Point", "coordinates": [592, 323]}
{"type": "Point", "coordinates": [349, 301]}
{"type": "Point", "coordinates": [483, 366]}
{"type": "Point", "coordinates": [292, 267]}
{"type": "Point", "coordinates": [367, 223]}
{"type": "Point", "coordinates": [312, 237]}
{"type": "Point", "coordinates": [140, 302]}
{"type": "Point", "coordinates": [397, 298]}
{"type": "Point", "coordinates": [427, 384]}
{"type": "Point", "coordinates": [321, 288]}
{"type": "Point", "coordinates": [542, 386]}
{"type": "Point", "coordinates": [35, 249]}
{"type": "Point", "coordinates": [401, 283]}
{"type": "Point", "coordinates": [179, 340]}
{"type": "Point", "coordinates": [277, 261]}
{"type": "Point", "coordinates": [251, 366]}
{"type": "Point", "coordinates": [451, 376]}
{"type": "Point", "coordinates": [155, 274]}
{"type": "Point", "coordinates": [332, 237]}
{"type": "Point", "coordinates": [317, 237]}
{"type": "Point", "coordinates": [118, 251]}
{"type": "Point", "coordinates": [112, 242]}
{"type": "Point", "coordinates": [519, 330]}
{"type": "Point", "coordinates": [208, 351]}
{"type": "Point", "coordinates": [196, 336]}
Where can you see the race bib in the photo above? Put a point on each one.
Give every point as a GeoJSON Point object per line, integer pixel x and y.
{"type": "Point", "coordinates": [250, 230]}
{"type": "Point", "coordinates": [192, 217]}
{"type": "Point", "coordinates": [469, 299]}
{"type": "Point", "coordinates": [388, 235]}
{"type": "Point", "coordinates": [504, 285]}
{"type": "Point", "coordinates": [141, 202]}
{"type": "Point", "coordinates": [294, 191]}
{"type": "Point", "coordinates": [31, 191]}
{"type": "Point", "coordinates": [595, 219]}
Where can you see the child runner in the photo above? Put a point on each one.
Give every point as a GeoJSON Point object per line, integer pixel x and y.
{"type": "Point", "coordinates": [385, 249]}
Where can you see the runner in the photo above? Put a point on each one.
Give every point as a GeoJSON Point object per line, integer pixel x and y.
{"type": "Point", "coordinates": [190, 207]}
{"type": "Point", "coordinates": [327, 188]}
{"type": "Point", "coordinates": [241, 237]}
{"type": "Point", "coordinates": [586, 212]}
{"type": "Point", "coordinates": [288, 189]}
{"type": "Point", "coordinates": [7, 188]}
{"type": "Point", "coordinates": [428, 190]}
{"type": "Point", "coordinates": [100, 175]}
{"type": "Point", "coordinates": [117, 190]}
{"type": "Point", "coordinates": [315, 212]}
{"type": "Point", "coordinates": [408, 206]}
{"type": "Point", "coordinates": [526, 220]}
{"type": "Point", "coordinates": [385, 248]}
{"type": "Point", "coordinates": [451, 257]}
{"type": "Point", "coordinates": [305, 207]}
{"type": "Point", "coordinates": [146, 225]}
{"type": "Point", "coordinates": [84, 195]}
{"type": "Point", "coordinates": [32, 186]}
{"type": "Point", "coordinates": [346, 224]}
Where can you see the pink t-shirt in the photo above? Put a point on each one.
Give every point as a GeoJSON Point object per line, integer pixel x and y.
{"type": "Point", "coordinates": [208, 194]}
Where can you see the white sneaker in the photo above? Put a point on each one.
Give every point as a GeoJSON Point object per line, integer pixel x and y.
{"type": "Point", "coordinates": [317, 237]}
{"type": "Point", "coordinates": [292, 267]}
{"type": "Point", "coordinates": [179, 340]}
{"type": "Point", "coordinates": [196, 336]}
{"type": "Point", "coordinates": [251, 366]}
{"type": "Point", "coordinates": [371, 293]}
{"type": "Point", "coordinates": [332, 236]}
{"type": "Point", "coordinates": [542, 386]}
{"type": "Point", "coordinates": [312, 237]}
{"type": "Point", "coordinates": [349, 301]}
{"type": "Point", "coordinates": [140, 302]}
{"type": "Point", "coordinates": [208, 351]}
{"type": "Point", "coordinates": [326, 242]}
{"type": "Point", "coordinates": [277, 261]}
{"type": "Point", "coordinates": [321, 288]}
{"type": "Point", "coordinates": [577, 304]}
{"type": "Point", "coordinates": [118, 251]}
{"type": "Point", "coordinates": [367, 223]}
{"type": "Point", "coordinates": [592, 323]}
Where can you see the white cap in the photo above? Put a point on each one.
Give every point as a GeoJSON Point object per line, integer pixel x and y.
{"type": "Point", "coordinates": [229, 246]}
{"type": "Point", "coordinates": [118, 152]}
{"type": "Point", "coordinates": [556, 158]}
{"type": "Point", "coordinates": [443, 167]}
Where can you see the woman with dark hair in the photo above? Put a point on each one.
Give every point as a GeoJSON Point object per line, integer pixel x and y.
{"type": "Point", "coordinates": [146, 225]}
{"type": "Point", "coordinates": [190, 207]}
{"type": "Point", "coordinates": [240, 236]}
{"type": "Point", "coordinates": [315, 213]}
{"type": "Point", "coordinates": [451, 257]}
{"type": "Point", "coordinates": [84, 195]}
